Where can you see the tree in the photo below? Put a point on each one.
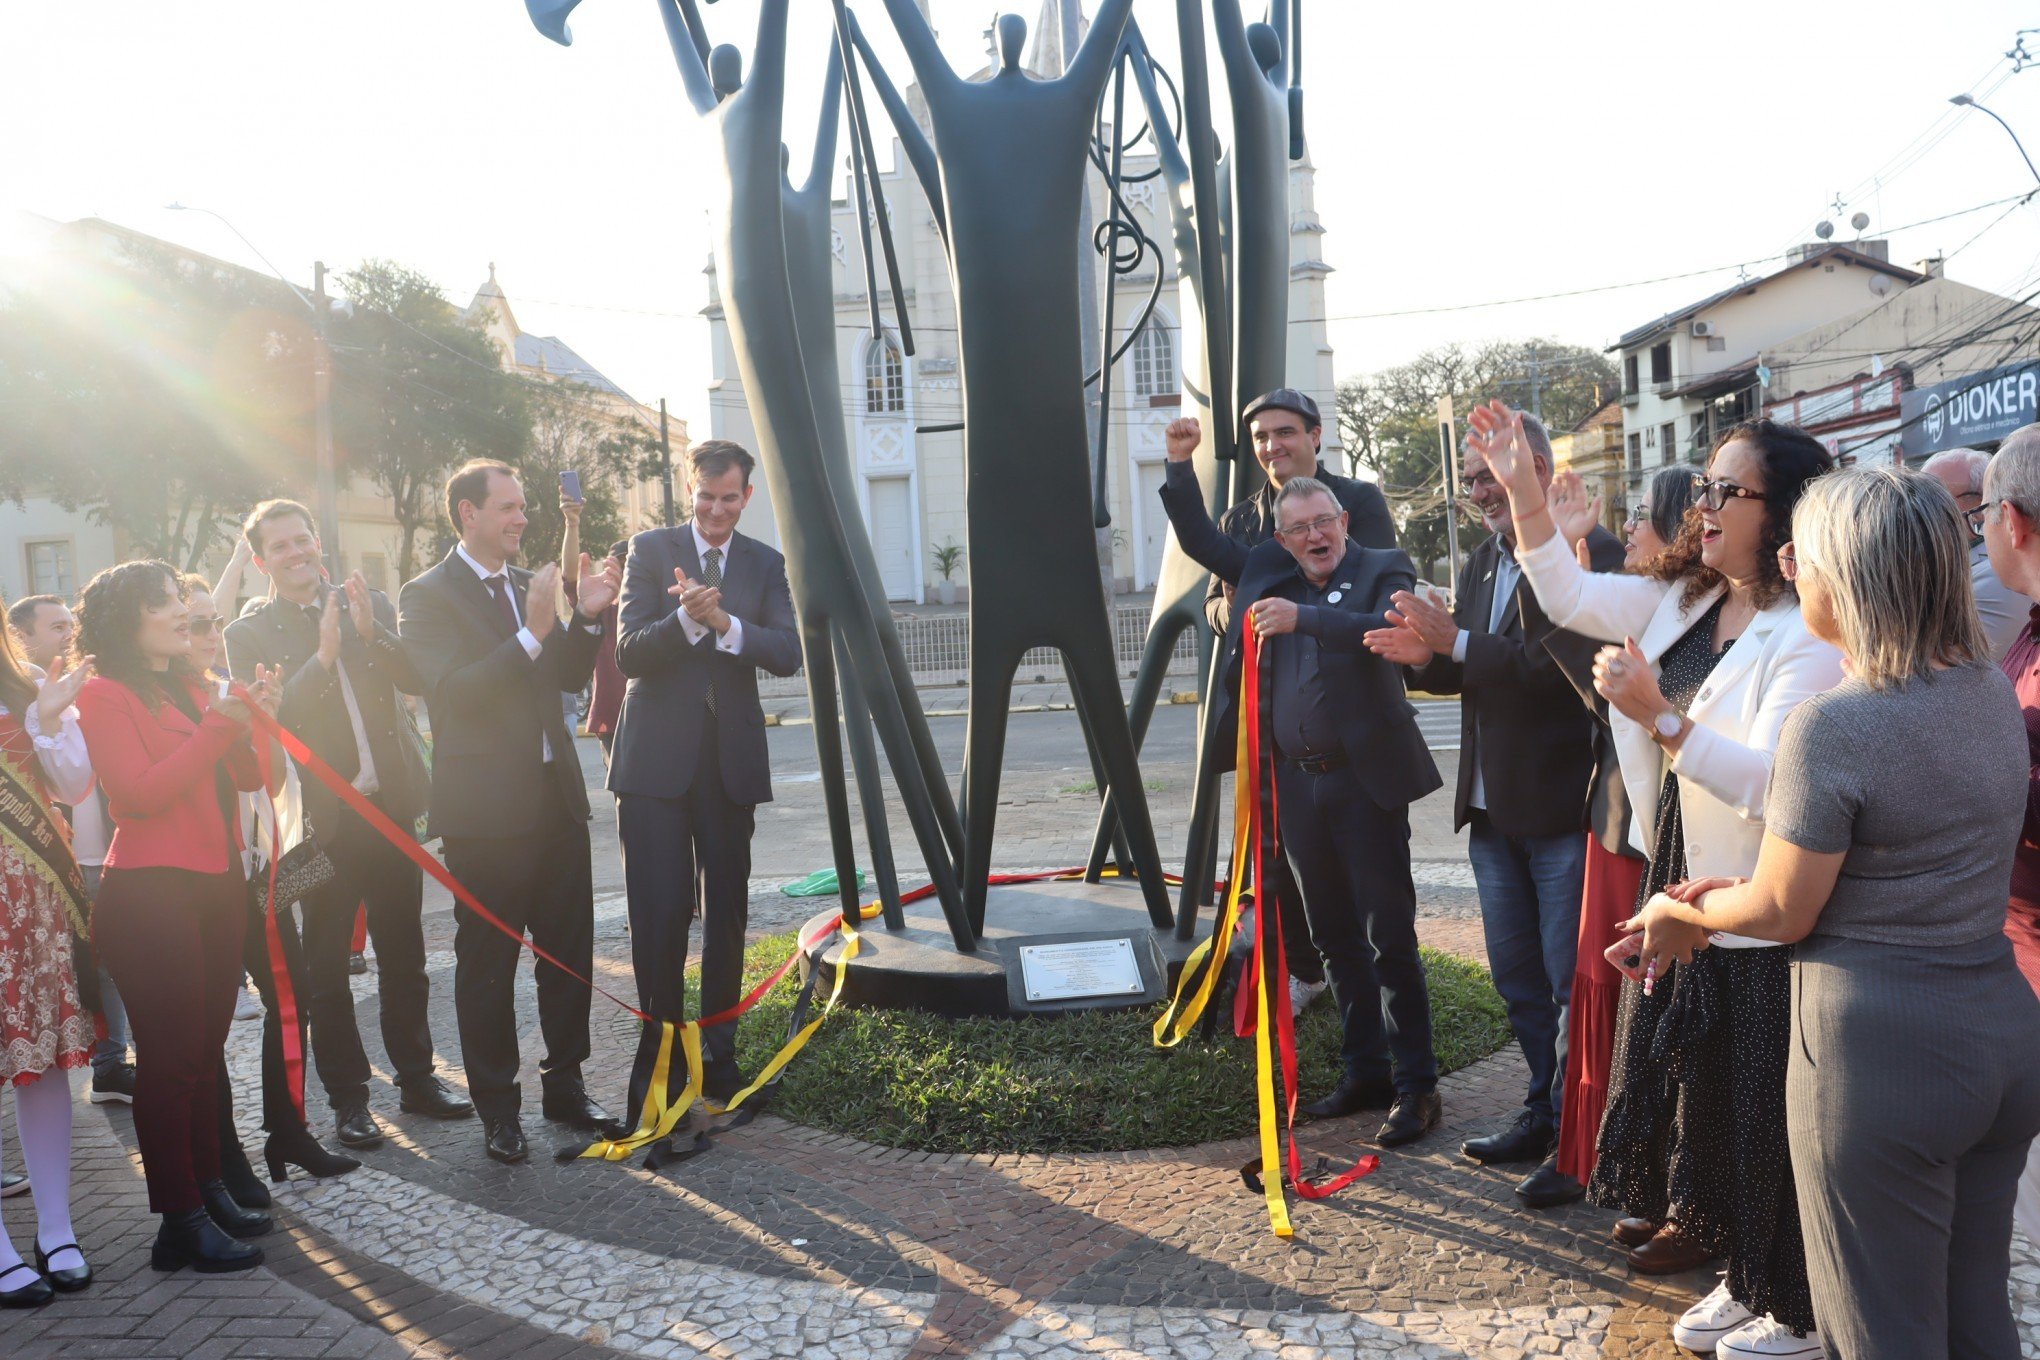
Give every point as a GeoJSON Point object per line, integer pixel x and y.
{"type": "Point", "coordinates": [163, 394]}
{"type": "Point", "coordinates": [1389, 420]}
{"type": "Point", "coordinates": [575, 426]}
{"type": "Point", "coordinates": [416, 391]}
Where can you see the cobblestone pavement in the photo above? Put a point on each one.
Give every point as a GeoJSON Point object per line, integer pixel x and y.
{"type": "Point", "coordinates": [784, 1242]}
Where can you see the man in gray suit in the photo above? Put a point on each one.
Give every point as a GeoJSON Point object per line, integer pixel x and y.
{"type": "Point", "coordinates": [704, 610]}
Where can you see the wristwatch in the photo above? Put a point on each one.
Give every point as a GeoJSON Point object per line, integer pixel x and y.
{"type": "Point", "coordinates": [1667, 725]}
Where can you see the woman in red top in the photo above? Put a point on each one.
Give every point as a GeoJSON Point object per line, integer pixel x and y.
{"type": "Point", "coordinates": [172, 755]}
{"type": "Point", "coordinates": [44, 1029]}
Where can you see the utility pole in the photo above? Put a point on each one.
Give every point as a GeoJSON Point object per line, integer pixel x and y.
{"type": "Point", "coordinates": [666, 462]}
{"type": "Point", "coordinates": [322, 417]}
{"type": "Point", "coordinates": [1448, 449]}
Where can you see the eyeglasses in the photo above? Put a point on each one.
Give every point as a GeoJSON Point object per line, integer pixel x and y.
{"type": "Point", "coordinates": [1712, 495]}
{"type": "Point", "coordinates": [1788, 562]}
{"type": "Point", "coordinates": [1977, 516]}
{"type": "Point", "coordinates": [203, 627]}
{"type": "Point", "coordinates": [1321, 525]}
{"type": "Point", "coordinates": [1640, 515]}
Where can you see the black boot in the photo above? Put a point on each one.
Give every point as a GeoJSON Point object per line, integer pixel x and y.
{"type": "Point", "coordinates": [242, 1183]}
{"type": "Point", "coordinates": [296, 1147]}
{"type": "Point", "coordinates": [193, 1239]}
{"type": "Point", "coordinates": [231, 1217]}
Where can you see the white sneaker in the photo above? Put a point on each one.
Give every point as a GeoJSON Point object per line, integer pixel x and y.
{"type": "Point", "coordinates": [1302, 993]}
{"type": "Point", "coordinates": [1701, 1327]}
{"type": "Point", "coordinates": [247, 1006]}
{"type": "Point", "coordinates": [1766, 1336]}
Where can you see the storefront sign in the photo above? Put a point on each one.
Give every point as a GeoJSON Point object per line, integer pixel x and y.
{"type": "Point", "coordinates": [1980, 409]}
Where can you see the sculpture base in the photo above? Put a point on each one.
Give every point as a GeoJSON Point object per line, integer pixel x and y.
{"type": "Point", "coordinates": [919, 967]}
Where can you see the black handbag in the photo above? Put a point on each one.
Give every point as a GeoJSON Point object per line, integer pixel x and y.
{"type": "Point", "coordinates": [304, 869]}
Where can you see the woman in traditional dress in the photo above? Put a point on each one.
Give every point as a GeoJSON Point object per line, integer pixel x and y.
{"type": "Point", "coordinates": [45, 1030]}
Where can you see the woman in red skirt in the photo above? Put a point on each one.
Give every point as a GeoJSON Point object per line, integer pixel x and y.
{"type": "Point", "coordinates": [45, 1029]}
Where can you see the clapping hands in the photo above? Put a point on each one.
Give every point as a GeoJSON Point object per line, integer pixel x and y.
{"type": "Point", "coordinates": [702, 602]}
{"type": "Point", "coordinates": [59, 689]}
{"type": "Point", "coordinates": [597, 587]}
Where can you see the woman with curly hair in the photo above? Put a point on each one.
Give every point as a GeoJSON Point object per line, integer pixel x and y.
{"type": "Point", "coordinates": [45, 1029]}
{"type": "Point", "coordinates": [173, 754]}
{"type": "Point", "coordinates": [1711, 656]}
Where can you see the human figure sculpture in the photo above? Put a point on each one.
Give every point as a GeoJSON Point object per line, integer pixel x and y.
{"type": "Point", "coordinates": [1012, 160]}
{"type": "Point", "coordinates": [1258, 166]}
{"type": "Point", "coordinates": [751, 265]}
{"type": "Point", "coordinates": [807, 213]}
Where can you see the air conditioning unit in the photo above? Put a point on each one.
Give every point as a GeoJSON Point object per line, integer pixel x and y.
{"type": "Point", "coordinates": [1700, 330]}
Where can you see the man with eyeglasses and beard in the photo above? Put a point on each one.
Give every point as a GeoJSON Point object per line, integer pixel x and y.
{"type": "Point", "coordinates": [1349, 762]}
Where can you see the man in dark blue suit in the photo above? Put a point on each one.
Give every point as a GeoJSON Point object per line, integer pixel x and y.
{"type": "Point", "coordinates": [704, 610]}
{"type": "Point", "coordinates": [1349, 762]}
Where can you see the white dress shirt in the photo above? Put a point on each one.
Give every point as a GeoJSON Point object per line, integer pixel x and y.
{"type": "Point", "coordinates": [525, 637]}
{"type": "Point", "coordinates": [1507, 574]}
{"type": "Point", "coordinates": [732, 641]}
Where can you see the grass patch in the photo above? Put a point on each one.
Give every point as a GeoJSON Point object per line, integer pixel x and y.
{"type": "Point", "coordinates": [1091, 1082]}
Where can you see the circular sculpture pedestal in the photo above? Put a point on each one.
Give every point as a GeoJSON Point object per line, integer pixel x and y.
{"type": "Point", "coordinates": [919, 967]}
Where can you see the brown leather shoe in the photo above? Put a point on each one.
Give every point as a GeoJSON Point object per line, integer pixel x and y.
{"type": "Point", "coordinates": [1671, 1252]}
{"type": "Point", "coordinates": [1633, 1232]}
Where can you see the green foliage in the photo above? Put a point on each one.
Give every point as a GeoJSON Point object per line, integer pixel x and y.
{"type": "Point", "coordinates": [1088, 1082]}
{"type": "Point", "coordinates": [1388, 421]}
{"type": "Point", "coordinates": [948, 557]}
{"type": "Point", "coordinates": [416, 391]}
{"type": "Point", "coordinates": [161, 395]}
{"type": "Point", "coordinates": [571, 427]}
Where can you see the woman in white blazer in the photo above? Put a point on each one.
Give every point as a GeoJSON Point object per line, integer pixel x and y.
{"type": "Point", "coordinates": [1710, 657]}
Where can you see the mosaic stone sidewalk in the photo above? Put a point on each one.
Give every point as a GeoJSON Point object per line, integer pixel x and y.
{"type": "Point", "coordinates": [783, 1242]}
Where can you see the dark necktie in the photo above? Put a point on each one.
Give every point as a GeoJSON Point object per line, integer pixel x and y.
{"type": "Point", "coordinates": [499, 586]}
{"type": "Point", "coordinates": [711, 574]}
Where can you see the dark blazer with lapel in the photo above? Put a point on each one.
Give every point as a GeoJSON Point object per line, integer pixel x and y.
{"type": "Point", "coordinates": [1536, 741]}
{"type": "Point", "coordinates": [490, 702]}
{"type": "Point", "coordinates": [279, 633]}
{"type": "Point", "coordinates": [665, 703]}
{"type": "Point", "coordinates": [1377, 727]}
{"type": "Point", "coordinates": [1251, 522]}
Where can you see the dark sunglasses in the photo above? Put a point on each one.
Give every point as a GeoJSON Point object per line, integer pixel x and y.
{"type": "Point", "coordinates": [203, 627]}
{"type": "Point", "coordinates": [1712, 495]}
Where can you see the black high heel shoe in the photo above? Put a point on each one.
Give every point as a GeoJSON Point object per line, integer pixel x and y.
{"type": "Point", "coordinates": [242, 1183]}
{"type": "Point", "coordinates": [67, 1281]}
{"type": "Point", "coordinates": [298, 1148]}
{"type": "Point", "coordinates": [193, 1239]}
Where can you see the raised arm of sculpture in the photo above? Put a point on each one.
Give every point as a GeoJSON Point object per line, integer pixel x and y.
{"type": "Point", "coordinates": [1092, 65]}
{"type": "Point", "coordinates": [924, 54]}
{"type": "Point", "coordinates": [768, 54]}
{"type": "Point", "coordinates": [1169, 155]}
{"type": "Point", "coordinates": [920, 155]}
{"type": "Point", "coordinates": [823, 161]}
{"type": "Point", "coordinates": [1244, 59]}
{"type": "Point", "coordinates": [680, 35]}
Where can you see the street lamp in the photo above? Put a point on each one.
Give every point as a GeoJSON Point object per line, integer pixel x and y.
{"type": "Point", "coordinates": [1964, 101]}
{"type": "Point", "coordinates": [327, 498]}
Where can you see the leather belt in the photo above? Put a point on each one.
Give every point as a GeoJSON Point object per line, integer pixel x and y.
{"type": "Point", "coordinates": [1318, 764]}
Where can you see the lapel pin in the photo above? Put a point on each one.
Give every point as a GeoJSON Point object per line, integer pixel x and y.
{"type": "Point", "coordinates": [1334, 597]}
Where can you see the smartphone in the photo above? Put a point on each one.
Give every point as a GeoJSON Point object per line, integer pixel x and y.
{"type": "Point", "coordinates": [226, 689]}
{"type": "Point", "coordinates": [570, 484]}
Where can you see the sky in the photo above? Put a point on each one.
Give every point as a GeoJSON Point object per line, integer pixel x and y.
{"type": "Point", "coordinates": [1467, 153]}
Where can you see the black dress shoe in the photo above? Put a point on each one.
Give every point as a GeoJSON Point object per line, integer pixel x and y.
{"type": "Point", "coordinates": [503, 1140]}
{"type": "Point", "coordinates": [296, 1147]}
{"type": "Point", "coordinates": [1351, 1096]}
{"type": "Point", "coordinates": [720, 1084]}
{"type": "Point", "coordinates": [69, 1280]}
{"type": "Point", "coordinates": [1410, 1118]}
{"type": "Point", "coordinates": [32, 1291]}
{"type": "Point", "coordinates": [1547, 1187]}
{"type": "Point", "coordinates": [193, 1239]}
{"type": "Point", "coordinates": [355, 1127]}
{"type": "Point", "coordinates": [570, 1105]}
{"type": "Point", "coordinates": [431, 1096]}
{"type": "Point", "coordinates": [242, 1183]}
{"type": "Point", "coordinates": [233, 1219]}
{"type": "Point", "coordinates": [1530, 1139]}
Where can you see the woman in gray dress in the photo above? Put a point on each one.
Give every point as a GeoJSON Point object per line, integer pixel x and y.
{"type": "Point", "coordinates": [1895, 807]}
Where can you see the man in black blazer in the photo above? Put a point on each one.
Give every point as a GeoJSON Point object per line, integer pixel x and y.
{"type": "Point", "coordinates": [508, 797]}
{"type": "Point", "coordinates": [1285, 432]}
{"type": "Point", "coordinates": [344, 671]}
{"type": "Point", "coordinates": [1526, 767]}
{"type": "Point", "coordinates": [1349, 762]}
{"type": "Point", "coordinates": [704, 610]}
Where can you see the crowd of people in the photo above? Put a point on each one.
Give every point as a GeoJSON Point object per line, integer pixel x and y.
{"type": "Point", "coordinates": [1752, 805]}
